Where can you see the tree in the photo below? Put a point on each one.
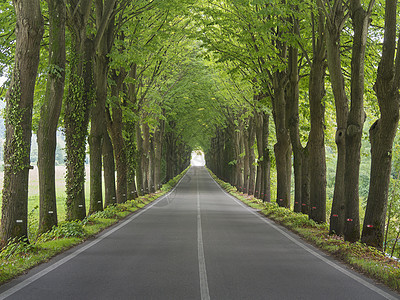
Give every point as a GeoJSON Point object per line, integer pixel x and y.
{"type": "Point", "coordinates": [19, 98]}
{"type": "Point", "coordinates": [153, 74]}
{"type": "Point", "coordinates": [263, 179]}
{"type": "Point", "coordinates": [335, 23]}
{"type": "Point", "coordinates": [317, 163]}
{"type": "Point", "coordinates": [361, 19]}
{"type": "Point", "coordinates": [102, 43]}
{"type": "Point", "coordinates": [49, 116]}
{"type": "Point", "coordinates": [299, 152]}
{"type": "Point", "coordinates": [76, 111]}
{"type": "Point", "coordinates": [114, 117]}
{"type": "Point", "coordinates": [383, 131]}
{"type": "Point", "coordinates": [254, 38]}
{"type": "Point", "coordinates": [109, 171]}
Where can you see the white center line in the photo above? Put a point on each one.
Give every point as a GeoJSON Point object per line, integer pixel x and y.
{"type": "Point", "coordinates": [205, 294]}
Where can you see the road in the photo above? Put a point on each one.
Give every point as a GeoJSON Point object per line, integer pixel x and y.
{"type": "Point", "coordinates": [196, 243]}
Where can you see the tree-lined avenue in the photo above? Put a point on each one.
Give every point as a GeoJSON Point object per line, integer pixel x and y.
{"type": "Point", "coordinates": [195, 243]}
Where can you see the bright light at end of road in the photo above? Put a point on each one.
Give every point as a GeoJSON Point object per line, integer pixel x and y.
{"type": "Point", "coordinates": [198, 159]}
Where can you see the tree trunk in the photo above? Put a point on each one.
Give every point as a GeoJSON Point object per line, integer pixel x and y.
{"type": "Point", "coordinates": [282, 147]}
{"type": "Point", "coordinates": [139, 157]}
{"type": "Point", "coordinates": [229, 155]}
{"type": "Point", "coordinates": [382, 135]}
{"type": "Point", "coordinates": [109, 171]}
{"type": "Point", "coordinates": [305, 189]}
{"type": "Point", "coordinates": [252, 156]}
{"type": "Point", "coordinates": [246, 159]}
{"type": "Point", "coordinates": [260, 144]}
{"type": "Point", "coordinates": [266, 162]}
{"type": "Point", "coordinates": [221, 159]}
{"type": "Point", "coordinates": [121, 163]}
{"type": "Point", "coordinates": [151, 175]}
{"type": "Point", "coordinates": [178, 159]}
{"type": "Point", "coordinates": [49, 115]}
{"type": "Point", "coordinates": [337, 218]}
{"type": "Point", "coordinates": [383, 131]}
{"type": "Point", "coordinates": [133, 194]}
{"type": "Point", "coordinates": [281, 150]}
{"type": "Point", "coordinates": [170, 145]}
{"type": "Point", "coordinates": [317, 161]}
{"type": "Point", "coordinates": [335, 22]}
{"type": "Point", "coordinates": [97, 131]}
{"type": "Point", "coordinates": [103, 41]}
{"type": "Point", "coordinates": [214, 155]}
{"type": "Point", "coordinates": [294, 130]}
{"type": "Point", "coordinates": [76, 123]}
{"type": "Point", "coordinates": [76, 112]}
{"type": "Point", "coordinates": [238, 134]}
{"type": "Point", "coordinates": [158, 142]}
{"type": "Point", "coordinates": [355, 123]}
{"type": "Point", "coordinates": [19, 103]}
{"type": "Point", "coordinates": [146, 157]}
{"type": "Point", "coordinates": [115, 127]}
{"type": "Point", "coordinates": [130, 147]}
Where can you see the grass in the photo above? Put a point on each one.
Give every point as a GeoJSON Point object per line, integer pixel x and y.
{"type": "Point", "coordinates": [33, 191]}
{"type": "Point", "coordinates": [19, 256]}
{"type": "Point", "coordinates": [367, 260]}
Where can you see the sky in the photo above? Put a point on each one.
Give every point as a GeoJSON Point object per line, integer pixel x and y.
{"type": "Point", "coordinates": [197, 159]}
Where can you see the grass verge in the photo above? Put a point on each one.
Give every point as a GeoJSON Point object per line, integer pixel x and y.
{"type": "Point", "coordinates": [367, 260]}
{"type": "Point", "coordinates": [19, 256]}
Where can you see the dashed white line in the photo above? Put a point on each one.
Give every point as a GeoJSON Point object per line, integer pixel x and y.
{"type": "Point", "coordinates": [204, 292]}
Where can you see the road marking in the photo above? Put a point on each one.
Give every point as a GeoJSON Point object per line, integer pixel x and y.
{"type": "Point", "coordinates": [311, 251]}
{"type": "Point", "coordinates": [59, 263]}
{"type": "Point", "coordinates": [205, 294]}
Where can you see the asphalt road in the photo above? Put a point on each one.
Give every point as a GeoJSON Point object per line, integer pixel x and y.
{"type": "Point", "coordinates": [196, 243]}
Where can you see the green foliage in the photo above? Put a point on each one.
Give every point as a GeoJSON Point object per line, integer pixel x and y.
{"type": "Point", "coordinates": [110, 212]}
{"type": "Point", "coordinates": [16, 247]}
{"type": "Point", "coordinates": [33, 223]}
{"type": "Point", "coordinates": [7, 37]}
{"type": "Point", "coordinates": [244, 34]}
{"type": "Point", "coordinates": [288, 217]}
{"type": "Point", "coordinates": [77, 105]}
{"type": "Point", "coordinates": [16, 149]}
{"type": "Point", "coordinates": [233, 162]}
{"type": "Point", "coordinates": [64, 230]}
{"type": "Point", "coordinates": [392, 231]}
{"type": "Point", "coordinates": [55, 71]}
{"type": "Point", "coordinates": [192, 104]}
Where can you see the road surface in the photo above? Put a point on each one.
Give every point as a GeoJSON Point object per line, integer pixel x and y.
{"type": "Point", "coordinates": [196, 243]}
